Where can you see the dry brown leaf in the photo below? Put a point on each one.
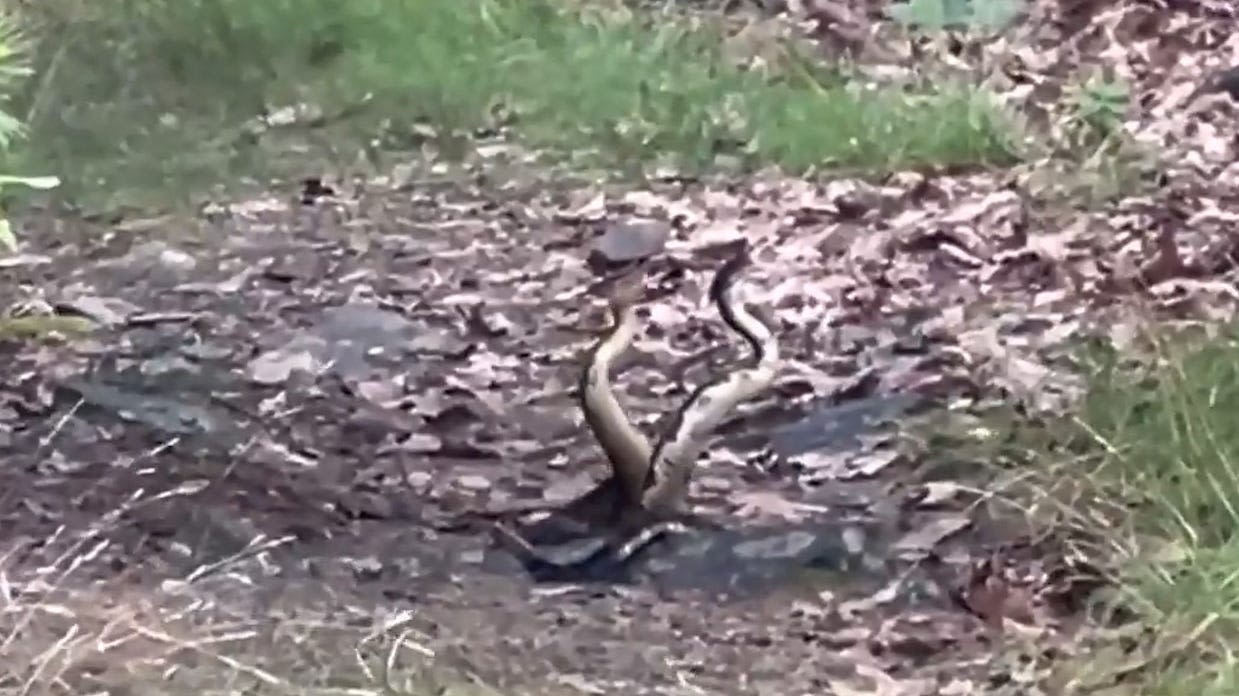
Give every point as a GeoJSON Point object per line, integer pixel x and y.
{"type": "Point", "coordinates": [926, 536]}
{"type": "Point", "coordinates": [770, 504]}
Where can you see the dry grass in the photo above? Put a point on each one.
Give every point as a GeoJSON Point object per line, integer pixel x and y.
{"type": "Point", "coordinates": [1145, 480]}
{"type": "Point", "coordinates": [62, 631]}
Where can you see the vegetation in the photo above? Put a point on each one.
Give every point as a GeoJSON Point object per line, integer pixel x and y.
{"type": "Point", "coordinates": [139, 100]}
{"type": "Point", "coordinates": [120, 100]}
{"type": "Point", "coordinates": [14, 69]}
{"type": "Point", "coordinates": [1158, 456]}
{"type": "Point", "coordinates": [931, 15]}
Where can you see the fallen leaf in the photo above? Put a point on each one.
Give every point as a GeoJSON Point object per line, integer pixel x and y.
{"type": "Point", "coordinates": [18, 260]}
{"type": "Point", "coordinates": [631, 240]}
{"type": "Point", "coordinates": [769, 504]}
{"type": "Point", "coordinates": [849, 609]}
{"type": "Point", "coordinates": [935, 493]}
{"type": "Point", "coordinates": [379, 391]}
{"type": "Point", "coordinates": [276, 366]}
{"type": "Point", "coordinates": [473, 482]}
{"type": "Point", "coordinates": [926, 536]}
{"type": "Point", "coordinates": [421, 443]}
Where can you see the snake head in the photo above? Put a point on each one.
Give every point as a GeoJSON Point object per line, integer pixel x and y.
{"type": "Point", "coordinates": [736, 258]}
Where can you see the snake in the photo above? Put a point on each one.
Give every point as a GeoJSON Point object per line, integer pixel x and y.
{"type": "Point", "coordinates": [648, 484]}
{"type": "Point", "coordinates": [625, 446]}
{"type": "Point", "coordinates": [674, 457]}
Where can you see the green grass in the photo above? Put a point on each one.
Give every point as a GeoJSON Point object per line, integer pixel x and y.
{"type": "Point", "coordinates": [155, 95]}
{"type": "Point", "coordinates": [43, 327]}
{"type": "Point", "coordinates": [1161, 439]}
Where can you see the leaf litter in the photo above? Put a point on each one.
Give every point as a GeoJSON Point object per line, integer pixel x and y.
{"type": "Point", "coordinates": [383, 360]}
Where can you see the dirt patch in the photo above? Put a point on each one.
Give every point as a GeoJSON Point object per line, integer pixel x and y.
{"type": "Point", "coordinates": [319, 389]}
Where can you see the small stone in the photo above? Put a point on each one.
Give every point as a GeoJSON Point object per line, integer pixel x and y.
{"type": "Point", "coordinates": [629, 241]}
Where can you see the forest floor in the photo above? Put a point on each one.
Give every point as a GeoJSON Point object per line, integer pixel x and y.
{"type": "Point", "coordinates": [235, 441]}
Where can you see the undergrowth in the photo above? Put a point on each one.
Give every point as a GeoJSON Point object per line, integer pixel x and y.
{"type": "Point", "coordinates": [163, 95]}
{"type": "Point", "coordinates": [14, 69]}
{"type": "Point", "coordinates": [1155, 465]}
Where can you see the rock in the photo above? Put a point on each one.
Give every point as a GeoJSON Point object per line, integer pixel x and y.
{"type": "Point", "coordinates": [629, 241]}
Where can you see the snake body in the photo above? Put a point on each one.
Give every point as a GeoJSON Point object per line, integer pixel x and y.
{"type": "Point", "coordinates": [673, 458]}
{"type": "Point", "coordinates": [648, 484]}
{"type": "Point", "coordinates": [625, 447]}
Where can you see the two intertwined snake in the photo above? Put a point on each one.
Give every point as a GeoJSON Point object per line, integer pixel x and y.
{"type": "Point", "coordinates": [648, 484]}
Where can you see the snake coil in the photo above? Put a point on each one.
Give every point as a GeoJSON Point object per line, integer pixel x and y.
{"type": "Point", "coordinates": [655, 479]}
{"type": "Point", "coordinates": [648, 484]}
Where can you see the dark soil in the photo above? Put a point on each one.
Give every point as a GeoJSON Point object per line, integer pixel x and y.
{"type": "Point", "coordinates": [307, 395]}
